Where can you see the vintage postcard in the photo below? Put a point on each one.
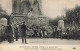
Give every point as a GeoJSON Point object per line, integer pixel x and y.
{"type": "Point", "coordinates": [39, 25]}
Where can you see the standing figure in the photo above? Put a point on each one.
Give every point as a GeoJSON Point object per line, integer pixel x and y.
{"type": "Point", "coordinates": [32, 32]}
{"type": "Point", "coordinates": [3, 33]}
{"type": "Point", "coordinates": [9, 33]}
{"type": "Point", "coordinates": [54, 32]}
{"type": "Point", "coordinates": [71, 34]}
{"type": "Point", "coordinates": [61, 33]}
{"type": "Point", "coordinates": [16, 33]}
{"type": "Point", "coordinates": [23, 32]}
{"type": "Point", "coordinates": [79, 34]}
{"type": "Point", "coordinates": [57, 34]}
{"type": "Point", "coordinates": [68, 33]}
{"type": "Point", "coordinates": [43, 31]}
{"type": "Point", "coordinates": [75, 34]}
{"type": "Point", "coordinates": [35, 32]}
{"type": "Point", "coordinates": [46, 33]}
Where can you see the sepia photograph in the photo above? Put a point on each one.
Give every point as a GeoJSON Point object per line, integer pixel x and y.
{"type": "Point", "coordinates": [24, 23]}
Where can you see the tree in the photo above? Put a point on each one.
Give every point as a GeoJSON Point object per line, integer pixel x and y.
{"type": "Point", "coordinates": [3, 14]}
{"type": "Point", "coordinates": [73, 15]}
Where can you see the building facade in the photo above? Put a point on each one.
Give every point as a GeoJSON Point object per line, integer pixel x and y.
{"type": "Point", "coordinates": [29, 11]}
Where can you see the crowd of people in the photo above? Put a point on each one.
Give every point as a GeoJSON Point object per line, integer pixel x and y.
{"type": "Point", "coordinates": [22, 31]}
{"type": "Point", "coordinates": [67, 33]}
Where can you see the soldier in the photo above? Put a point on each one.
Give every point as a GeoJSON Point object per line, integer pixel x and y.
{"type": "Point", "coordinates": [74, 35]}
{"type": "Point", "coordinates": [54, 32]}
{"type": "Point", "coordinates": [3, 33]}
{"type": "Point", "coordinates": [35, 32]}
{"type": "Point", "coordinates": [43, 31]}
{"type": "Point", "coordinates": [9, 33]}
{"type": "Point", "coordinates": [73, 32]}
{"type": "Point", "coordinates": [57, 34]}
{"type": "Point", "coordinates": [31, 32]}
{"type": "Point", "coordinates": [61, 33]}
{"type": "Point", "coordinates": [79, 34]}
{"type": "Point", "coordinates": [23, 32]}
{"type": "Point", "coordinates": [16, 33]}
{"type": "Point", "coordinates": [68, 33]}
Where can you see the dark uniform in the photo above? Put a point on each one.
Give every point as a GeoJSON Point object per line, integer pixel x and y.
{"type": "Point", "coordinates": [57, 33]}
{"type": "Point", "coordinates": [23, 32]}
{"type": "Point", "coordinates": [9, 33]}
{"type": "Point", "coordinates": [61, 33]}
{"type": "Point", "coordinates": [3, 33]}
{"type": "Point", "coordinates": [68, 33]}
{"type": "Point", "coordinates": [16, 33]}
{"type": "Point", "coordinates": [79, 34]}
{"type": "Point", "coordinates": [43, 31]}
{"type": "Point", "coordinates": [54, 32]}
{"type": "Point", "coordinates": [35, 32]}
{"type": "Point", "coordinates": [75, 34]}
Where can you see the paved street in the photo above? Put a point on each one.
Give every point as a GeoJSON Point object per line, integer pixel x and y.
{"type": "Point", "coordinates": [44, 41]}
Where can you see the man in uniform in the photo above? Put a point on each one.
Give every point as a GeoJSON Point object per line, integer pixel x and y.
{"type": "Point", "coordinates": [9, 33]}
{"type": "Point", "coordinates": [79, 34]}
{"type": "Point", "coordinates": [16, 32]}
{"type": "Point", "coordinates": [23, 32]}
{"type": "Point", "coordinates": [68, 33]}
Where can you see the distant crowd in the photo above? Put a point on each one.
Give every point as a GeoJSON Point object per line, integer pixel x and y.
{"type": "Point", "coordinates": [8, 33]}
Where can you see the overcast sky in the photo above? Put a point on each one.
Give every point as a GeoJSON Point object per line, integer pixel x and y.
{"type": "Point", "coordinates": [51, 8]}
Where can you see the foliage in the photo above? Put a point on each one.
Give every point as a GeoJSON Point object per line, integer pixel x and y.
{"type": "Point", "coordinates": [3, 13]}
{"type": "Point", "coordinates": [73, 15]}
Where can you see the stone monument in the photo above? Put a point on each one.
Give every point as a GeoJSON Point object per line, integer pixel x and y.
{"type": "Point", "coordinates": [29, 11]}
{"type": "Point", "coordinates": [60, 24]}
